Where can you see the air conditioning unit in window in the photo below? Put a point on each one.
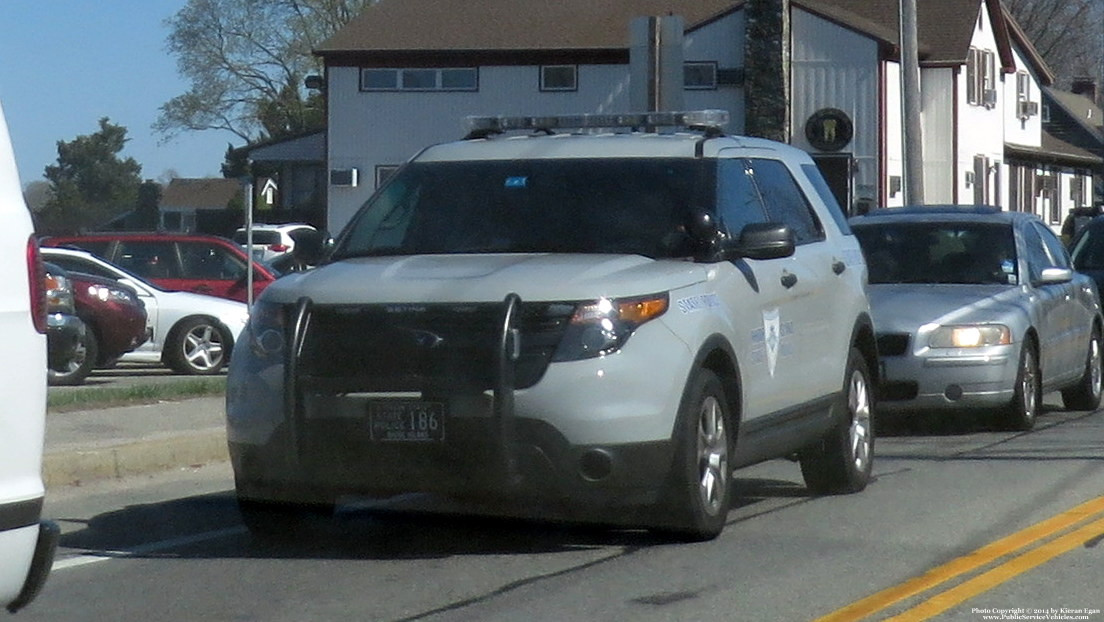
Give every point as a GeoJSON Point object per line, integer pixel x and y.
{"type": "Point", "coordinates": [343, 177]}
{"type": "Point", "coordinates": [1025, 109]}
{"type": "Point", "coordinates": [989, 98]}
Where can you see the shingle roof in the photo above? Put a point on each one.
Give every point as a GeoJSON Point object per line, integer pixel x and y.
{"type": "Point", "coordinates": [200, 193]}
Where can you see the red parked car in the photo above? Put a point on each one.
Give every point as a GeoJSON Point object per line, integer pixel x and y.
{"type": "Point", "coordinates": [204, 264]}
{"type": "Point", "coordinates": [115, 323]}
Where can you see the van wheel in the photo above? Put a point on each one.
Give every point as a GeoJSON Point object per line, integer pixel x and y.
{"type": "Point", "coordinates": [841, 462]}
{"type": "Point", "coordinates": [1085, 395]}
{"type": "Point", "coordinates": [698, 494]}
{"type": "Point", "coordinates": [81, 365]}
{"type": "Point", "coordinates": [197, 346]}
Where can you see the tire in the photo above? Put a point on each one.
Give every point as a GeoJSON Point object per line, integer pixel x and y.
{"type": "Point", "coordinates": [841, 462]}
{"type": "Point", "coordinates": [82, 363]}
{"type": "Point", "coordinates": [197, 346]}
{"type": "Point", "coordinates": [1026, 399]}
{"type": "Point", "coordinates": [273, 521]}
{"type": "Point", "coordinates": [1085, 395]}
{"type": "Point", "coordinates": [698, 494]}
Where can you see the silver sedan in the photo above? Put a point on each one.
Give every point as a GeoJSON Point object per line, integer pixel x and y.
{"type": "Point", "coordinates": [978, 308]}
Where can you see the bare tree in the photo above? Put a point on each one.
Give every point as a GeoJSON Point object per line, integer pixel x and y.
{"type": "Point", "coordinates": [246, 60]}
{"type": "Point", "coordinates": [1068, 33]}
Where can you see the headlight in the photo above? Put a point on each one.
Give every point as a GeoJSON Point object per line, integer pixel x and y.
{"type": "Point", "coordinates": [603, 326]}
{"type": "Point", "coordinates": [111, 294]}
{"type": "Point", "coordinates": [970, 336]}
{"type": "Point", "coordinates": [267, 329]}
{"type": "Point", "coordinates": [59, 294]}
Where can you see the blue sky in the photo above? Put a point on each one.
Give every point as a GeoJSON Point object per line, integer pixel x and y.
{"type": "Point", "coordinates": [64, 64]}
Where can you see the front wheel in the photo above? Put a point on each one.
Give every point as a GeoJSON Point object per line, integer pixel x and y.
{"type": "Point", "coordinates": [1026, 396]}
{"type": "Point", "coordinates": [842, 461]}
{"type": "Point", "coordinates": [699, 491]}
{"type": "Point", "coordinates": [1085, 395]}
{"type": "Point", "coordinates": [80, 366]}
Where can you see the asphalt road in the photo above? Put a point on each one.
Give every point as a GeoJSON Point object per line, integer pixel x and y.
{"type": "Point", "coordinates": [961, 523]}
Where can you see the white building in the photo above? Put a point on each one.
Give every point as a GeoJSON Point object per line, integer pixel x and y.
{"type": "Point", "coordinates": [405, 72]}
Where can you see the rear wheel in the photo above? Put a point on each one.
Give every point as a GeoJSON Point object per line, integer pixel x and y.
{"type": "Point", "coordinates": [81, 365]}
{"type": "Point", "coordinates": [699, 491]}
{"type": "Point", "coordinates": [841, 462]}
{"type": "Point", "coordinates": [1026, 397]}
{"type": "Point", "coordinates": [1085, 395]}
{"type": "Point", "coordinates": [197, 346]}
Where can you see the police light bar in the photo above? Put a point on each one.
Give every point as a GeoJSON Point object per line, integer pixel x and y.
{"type": "Point", "coordinates": [705, 120]}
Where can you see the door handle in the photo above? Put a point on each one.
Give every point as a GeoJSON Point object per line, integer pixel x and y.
{"type": "Point", "coordinates": [789, 279]}
{"type": "Point", "coordinates": [838, 266]}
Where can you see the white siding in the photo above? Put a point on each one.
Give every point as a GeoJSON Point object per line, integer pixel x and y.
{"type": "Point", "coordinates": [980, 130]}
{"type": "Point", "coordinates": [833, 67]}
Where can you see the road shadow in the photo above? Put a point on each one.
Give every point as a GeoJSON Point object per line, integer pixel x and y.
{"type": "Point", "coordinates": [210, 526]}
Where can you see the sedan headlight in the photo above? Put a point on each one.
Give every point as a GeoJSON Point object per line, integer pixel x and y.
{"type": "Point", "coordinates": [970, 336]}
{"type": "Point", "coordinates": [111, 294]}
{"type": "Point", "coordinates": [266, 329]}
{"type": "Point", "coordinates": [603, 326]}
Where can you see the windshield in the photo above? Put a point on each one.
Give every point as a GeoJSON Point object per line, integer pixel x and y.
{"type": "Point", "coordinates": [608, 205]}
{"type": "Point", "coordinates": [948, 252]}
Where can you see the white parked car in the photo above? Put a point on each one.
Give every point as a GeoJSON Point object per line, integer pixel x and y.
{"type": "Point", "coordinates": [190, 333]}
{"type": "Point", "coordinates": [269, 240]}
{"type": "Point", "coordinates": [27, 543]}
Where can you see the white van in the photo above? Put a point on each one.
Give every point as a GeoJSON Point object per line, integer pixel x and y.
{"type": "Point", "coordinates": [27, 543]}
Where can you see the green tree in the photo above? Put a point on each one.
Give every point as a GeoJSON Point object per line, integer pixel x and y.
{"type": "Point", "coordinates": [91, 184]}
{"type": "Point", "coordinates": [246, 61]}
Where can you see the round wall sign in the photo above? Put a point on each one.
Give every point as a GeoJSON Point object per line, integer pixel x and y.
{"type": "Point", "coordinates": [829, 129]}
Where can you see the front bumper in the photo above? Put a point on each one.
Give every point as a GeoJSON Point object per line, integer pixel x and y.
{"type": "Point", "coordinates": [948, 379]}
{"type": "Point", "coordinates": [63, 334]}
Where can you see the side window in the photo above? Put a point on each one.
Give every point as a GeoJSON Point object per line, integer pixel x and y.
{"type": "Point", "coordinates": [151, 260]}
{"type": "Point", "coordinates": [209, 261]}
{"type": "Point", "coordinates": [1088, 254]}
{"type": "Point", "coordinates": [738, 202]}
{"type": "Point", "coordinates": [784, 200]}
{"type": "Point", "coordinates": [1036, 251]}
{"type": "Point", "coordinates": [1055, 250]}
{"type": "Point", "coordinates": [817, 179]}
{"type": "Point", "coordinates": [75, 264]}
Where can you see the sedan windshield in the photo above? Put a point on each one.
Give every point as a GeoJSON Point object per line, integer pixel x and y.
{"type": "Point", "coordinates": [607, 205]}
{"type": "Point", "coordinates": [947, 252]}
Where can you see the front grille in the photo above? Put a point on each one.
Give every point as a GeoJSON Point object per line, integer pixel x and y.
{"type": "Point", "coordinates": [893, 344]}
{"type": "Point", "coordinates": [435, 349]}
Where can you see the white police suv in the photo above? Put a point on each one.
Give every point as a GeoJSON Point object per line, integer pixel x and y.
{"type": "Point", "coordinates": [27, 543]}
{"type": "Point", "coordinates": [607, 311]}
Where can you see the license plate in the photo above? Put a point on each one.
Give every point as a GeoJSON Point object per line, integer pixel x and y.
{"type": "Point", "coordinates": [407, 421]}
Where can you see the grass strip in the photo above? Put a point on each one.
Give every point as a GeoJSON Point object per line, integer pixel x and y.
{"type": "Point", "coordinates": [107, 397]}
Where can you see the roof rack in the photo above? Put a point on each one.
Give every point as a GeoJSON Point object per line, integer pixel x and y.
{"type": "Point", "coordinates": [709, 121]}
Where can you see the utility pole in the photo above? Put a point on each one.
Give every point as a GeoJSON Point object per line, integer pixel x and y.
{"type": "Point", "coordinates": [912, 142]}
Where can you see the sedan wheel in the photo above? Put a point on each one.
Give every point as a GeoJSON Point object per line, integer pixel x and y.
{"type": "Point", "coordinates": [1025, 401]}
{"type": "Point", "coordinates": [80, 366]}
{"type": "Point", "coordinates": [197, 346]}
{"type": "Point", "coordinates": [1085, 395]}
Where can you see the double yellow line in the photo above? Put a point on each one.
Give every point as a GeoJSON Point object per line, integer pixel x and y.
{"type": "Point", "coordinates": [981, 557]}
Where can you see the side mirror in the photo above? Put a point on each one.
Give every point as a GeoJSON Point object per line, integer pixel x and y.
{"type": "Point", "coordinates": [1053, 275]}
{"type": "Point", "coordinates": [310, 246]}
{"type": "Point", "coordinates": [764, 240]}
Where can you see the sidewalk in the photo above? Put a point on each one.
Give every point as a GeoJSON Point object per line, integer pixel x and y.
{"type": "Point", "coordinates": [87, 445]}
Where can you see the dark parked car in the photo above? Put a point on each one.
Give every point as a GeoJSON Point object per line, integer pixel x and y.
{"type": "Point", "coordinates": [64, 330]}
{"type": "Point", "coordinates": [115, 323]}
{"type": "Point", "coordinates": [203, 264]}
{"type": "Point", "coordinates": [1087, 251]}
{"type": "Point", "coordinates": [978, 308]}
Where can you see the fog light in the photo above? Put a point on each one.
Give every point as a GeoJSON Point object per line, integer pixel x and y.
{"type": "Point", "coordinates": [595, 465]}
{"type": "Point", "coordinates": [953, 392]}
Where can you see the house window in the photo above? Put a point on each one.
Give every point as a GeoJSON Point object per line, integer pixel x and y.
{"type": "Point", "coordinates": [981, 78]}
{"type": "Point", "coordinates": [559, 78]}
{"type": "Point", "coordinates": [1077, 190]}
{"type": "Point", "coordinates": [384, 171]}
{"type": "Point", "coordinates": [699, 75]}
{"type": "Point", "coordinates": [419, 79]}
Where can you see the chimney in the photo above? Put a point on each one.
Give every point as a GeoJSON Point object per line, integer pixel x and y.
{"type": "Point", "coordinates": [1084, 85]}
{"type": "Point", "coordinates": [767, 69]}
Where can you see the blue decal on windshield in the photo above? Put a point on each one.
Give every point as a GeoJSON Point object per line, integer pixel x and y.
{"type": "Point", "coordinates": [517, 182]}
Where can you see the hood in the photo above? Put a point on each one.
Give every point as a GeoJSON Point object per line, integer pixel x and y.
{"type": "Point", "coordinates": [485, 278]}
{"type": "Point", "coordinates": [903, 308]}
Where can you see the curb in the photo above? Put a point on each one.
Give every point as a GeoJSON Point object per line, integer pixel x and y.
{"type": "Point", "coordinates": [77, 466]}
